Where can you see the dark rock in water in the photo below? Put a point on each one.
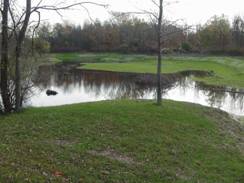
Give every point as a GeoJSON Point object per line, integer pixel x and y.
{"type": "Point", "coordinates": [51, 92]}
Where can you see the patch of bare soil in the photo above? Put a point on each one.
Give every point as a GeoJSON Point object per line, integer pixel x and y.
{"type": "Point", "coordinates": [113, 155]}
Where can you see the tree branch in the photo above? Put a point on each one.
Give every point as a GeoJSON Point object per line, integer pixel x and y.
{"type": "Point", "coordinates": [56, 8]}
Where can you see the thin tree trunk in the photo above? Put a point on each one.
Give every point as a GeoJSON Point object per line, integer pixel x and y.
{"type": "Point", "coordinates": [18, 49]}
{"type": "Point", "coordinates": [159, 87]}
{"type": "Point", "coordinates": [159, 37]}
{"type": "Point", "coordinates": [17, 79]}
{"type": "Point", "coordinates": [5, 60]}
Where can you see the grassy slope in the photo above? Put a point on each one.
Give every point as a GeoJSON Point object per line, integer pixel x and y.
{"type": "Point", "coordinates": [228, 70]}
{"type": "Point", "coordinates": [167, 144]}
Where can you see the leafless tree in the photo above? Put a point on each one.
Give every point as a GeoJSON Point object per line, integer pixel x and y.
{"type": "Point", "coordinates": [21, 21]}
{"type": "Point", "coordinates": [157, 19]}
{"type": "Point", "coordinates": [159, 38]}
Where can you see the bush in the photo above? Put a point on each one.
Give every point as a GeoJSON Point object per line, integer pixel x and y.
{"type": "Point", "coordinates": [186, 47]}
{"type": "Point", "coordinates": [166, 51]}
{"type": "Point", "coordinates": [42, 46]}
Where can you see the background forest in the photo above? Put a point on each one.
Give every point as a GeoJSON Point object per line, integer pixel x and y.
{"type": "Point", "coordinates": [127, 34]}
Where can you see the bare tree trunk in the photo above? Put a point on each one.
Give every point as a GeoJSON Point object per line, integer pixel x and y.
{"type": "Point", "coordinates": [18, 49]}
{"type": "Point", "coordinates": [17, 79]}
{"type": "Point", "coordinates": [159, 37]}
{"type": "Point", "coordinates": [4, 59]}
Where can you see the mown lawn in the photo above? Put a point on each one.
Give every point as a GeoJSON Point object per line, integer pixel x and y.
{"type": "Point", "coordinates": [121, 141]}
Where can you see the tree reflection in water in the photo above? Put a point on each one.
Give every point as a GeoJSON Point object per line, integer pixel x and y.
{"type": "Point", "coordinates": [75, 86]}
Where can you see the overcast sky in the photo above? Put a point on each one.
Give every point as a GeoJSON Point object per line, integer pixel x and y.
{"type": "Point", "coordinates": [192, 11]}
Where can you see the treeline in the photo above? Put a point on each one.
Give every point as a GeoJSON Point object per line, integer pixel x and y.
{"type": "Point", "coordinates": [128, 34]}
{"type": "Point", "coordinates": [219, 35]}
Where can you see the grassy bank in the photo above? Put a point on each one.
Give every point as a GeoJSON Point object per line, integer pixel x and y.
{"type": "Point", "coordinates": [229, 71]}
{"type": "Point", "coordinates": [121, 141]}
{"type": "Point", "coordinates": [101, 57]}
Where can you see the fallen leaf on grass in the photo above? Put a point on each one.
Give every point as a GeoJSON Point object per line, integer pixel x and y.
{"type": "Point", "coordinates": [58, 174]}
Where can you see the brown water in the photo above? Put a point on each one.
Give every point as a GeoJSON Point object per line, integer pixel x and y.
{"type": "Point", "coordinates": [75, 86]}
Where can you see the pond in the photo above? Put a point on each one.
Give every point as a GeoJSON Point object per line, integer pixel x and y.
{"type": "Point", "coordinates": [77, 86]}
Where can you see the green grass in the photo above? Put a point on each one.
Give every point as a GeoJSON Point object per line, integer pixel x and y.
{"type": "Point", "coordinates": [177, 142]}
{"type": "Point", "coordinates": [229, 71]}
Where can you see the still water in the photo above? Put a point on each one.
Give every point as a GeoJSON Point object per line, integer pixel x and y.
{"type": "Point", "coordinates": [76, 86]}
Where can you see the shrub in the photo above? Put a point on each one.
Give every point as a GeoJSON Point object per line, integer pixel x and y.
{"type": "Point", "coordinates": [186, 47]}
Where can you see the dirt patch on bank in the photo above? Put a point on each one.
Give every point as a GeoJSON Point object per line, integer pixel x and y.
{"type": "Point", "coordinates": [113, 155]}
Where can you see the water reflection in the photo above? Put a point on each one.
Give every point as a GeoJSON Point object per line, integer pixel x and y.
{"type": "Point", "coordinates": [231, 101]}
{"type": "Point", "coordinates": [75, 86]}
